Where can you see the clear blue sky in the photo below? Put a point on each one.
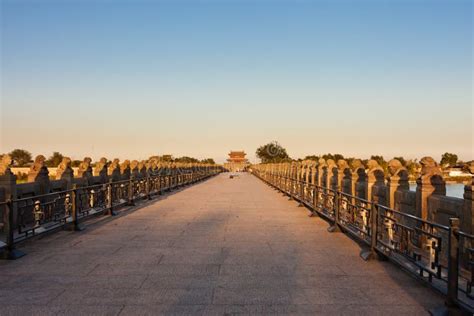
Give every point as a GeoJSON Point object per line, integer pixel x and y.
{"type": "Point", "coordinates": [130, 79]}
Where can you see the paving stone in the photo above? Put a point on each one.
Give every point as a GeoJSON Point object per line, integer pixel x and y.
{"type": "Point", "coordinates": [218, 248]}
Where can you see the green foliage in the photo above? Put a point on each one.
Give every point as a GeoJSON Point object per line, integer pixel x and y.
{"type": "Point", "coordinates": [449, 159]}
{"type": "Point", "coordinates": [312, 157]}
{"type": "Point", "coordinates": [412, 166]}
{"type": "Point", "coordinates": [186, 159]}
{"type": "Point", "coordinates": [208, 160]}
{"type": "Point", "coordinates": [20, 157]}
{"type": "Point", "coordinates": [167, 158]}
{"type": "Point", "coordinates": [272, 152]}
{"type": "Point", "coordinates": [334, 157]}
{"type": "Point", "coordinates": [54, 160]}
{"type": "Point", "coordinates": [75, 163]}
{"type": "Point", "coordinates": [350, 160]}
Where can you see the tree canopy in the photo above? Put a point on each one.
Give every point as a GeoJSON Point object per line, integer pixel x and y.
{"type": "Point", "coordinates": [311, 157]}
{"type": "Point", "coordinates": [208, 160]}
{"type": "Point", "coordinates": [20, 157]}
{"type": "Point", "coordinates": [449, 159]}
{"type": "Point", "coordinates": [272, 152]}
{"type": "Point", "coordinates": [54, 160]}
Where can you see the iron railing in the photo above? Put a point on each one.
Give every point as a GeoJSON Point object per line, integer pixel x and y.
{"type": "Point", "coordinates": [440, 255]}
{"type": "Point", "coordinates": [24, 218]}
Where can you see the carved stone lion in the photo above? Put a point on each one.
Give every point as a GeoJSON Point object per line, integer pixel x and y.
{"type": "Point", "coordinates": [85, 164]}
{"type": "Point", "coordinates": [134, 164]}
{"type": "Point", "coordinates": [63, 167]}
{"type": "Point", "coordinates": [322, 163]}
{"type": "Point", "coordinates": [5, 164]}
{"type": "Point", "coordinates": [357, 164]}
{"type": "Point", "coordinates": [114, 165]}
{"type": "Point", "coordinates": [395, 167]}
{"type": "Point", "coordinates": [429, 167]}
{"type": "Point", "coordinates": [342, 164]}
{"type": "Point", "coordinates": [124, 166]}
{"type": "Point", "coordinates": [373, 165]}
{"type": "Point", "coordinates": [38, 164]}
{"type": "Point", "coordinates": [100, 165]}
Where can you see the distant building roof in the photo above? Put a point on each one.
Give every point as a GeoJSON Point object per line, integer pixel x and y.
{"type": "Point", "coordinates": [236, 153]}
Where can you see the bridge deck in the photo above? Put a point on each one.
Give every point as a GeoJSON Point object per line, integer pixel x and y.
{"type": "Point", "coordinates": [223, 246]}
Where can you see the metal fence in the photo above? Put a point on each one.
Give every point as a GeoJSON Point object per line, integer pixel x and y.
{"type": "Point", "coordinates": [439, 255]}
{"type": "Point", "coordinates": [28, 217]}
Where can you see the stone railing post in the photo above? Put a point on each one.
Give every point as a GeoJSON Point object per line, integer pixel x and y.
{"type": "Point", "coordinates": [40, 175]}
{"type": "Point", "coordinates": [134, 169]}
{"type": "Point", "coordinates": [125, 172]}
{"type": "Point", "coordinates": [65, 172]}
{"type": "Point", "coordinates": [375, 177]}
{"type": "Point", "coordinates": [344, 177]}
{"type": "Point", "coordinates": [9, 210]}
{"type": "Point", "coordinates": [358, 179]}
{"type": "Point", "coordinates": [429, 183]}
{"type": "Point", "coordinates": [85, 169]}
{"type": "Point", "coordinates": [468, 206]}
{"type": "Point", "coordinates": [331, 175]}
{"type": "Point", "coordinates": [322, 172]}
{"type": "Point", "coordinates": [113, 170]}
{"type": "Point", "coordinates": [397, 181]}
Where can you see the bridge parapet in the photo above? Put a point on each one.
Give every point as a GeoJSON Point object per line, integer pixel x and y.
{"type": "Point", "coordinates": [44, 205]}
{"type": "Point", "coordinates": [425, 231]}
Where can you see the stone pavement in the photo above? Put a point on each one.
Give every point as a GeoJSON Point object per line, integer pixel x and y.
{"type": "Point", "coordinates": [225, 246]}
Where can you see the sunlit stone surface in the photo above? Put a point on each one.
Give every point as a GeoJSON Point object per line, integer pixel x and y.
{"type": "Point", "coordinates": [222, 246]}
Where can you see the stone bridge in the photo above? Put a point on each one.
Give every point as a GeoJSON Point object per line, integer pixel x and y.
{"type": "Point", "coordinates": [223, 246]}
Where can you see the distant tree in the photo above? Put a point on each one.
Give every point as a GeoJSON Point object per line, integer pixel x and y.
{"type": "Point", "coordinates": [20, 157]}
{"type": "Point", "coordinates": [350, 160]}
{"type": "Point", "coordinates": [413, 167]}
{"type": "Point", "coordinates": [334, 157]}
{"type": "Point", "coordinates": [312, 157]}
{"type": "Point", "coordinates": [75, 163]}
{"type": "Point", "coordinates": [272, 152]}
{"type": "Point", "coordinates": [402, 160]}
{"type": "Point", "coordinates": [449, 159]}
{"type": "Point", "coordinates": [166, 158]}
{"type": "Point", "coordinates": [365, 162]}
{"type": "Point", "coordinates": [338, 157]}
{"type": "Point", "coordinates": [186, 159]}
{"type": "Point", "coordinates": [54, 160]}
{"type": "Point", "coordinates": [208, 160]}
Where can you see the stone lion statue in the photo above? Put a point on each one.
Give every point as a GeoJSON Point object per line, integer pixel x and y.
{"type": "Point", "coordinates": [38, 164]}
{"type": "Point", "coordinates": [63, 166]}
{"type": "Point", "coordinates": [429, 167]}
{"type": "Point", "coordinates": [373, 165]}
{"type": "Point", "coordinates": [357, 164]}
{"type": "Point", "coordinates": [322, 163]}
{"type": "Point", "coordinates": [5, 164]}
{"type": "Point", "coordinates": [125, 165]}
{"type": "Point", "coordinates": [134, 164]}
{"type": "Point", "coordinates": [100, 165]}
{"type": "Point", "coordinates": [342, 164]}
{"type": "Point", "coordinates": [114, 165]}
{"type": "Point", "coordinates": [395, 167]}
{"type": "Point", "coordinates": [85, 164]}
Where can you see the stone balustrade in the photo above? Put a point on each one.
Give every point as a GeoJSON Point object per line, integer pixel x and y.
{"type": "Point", "coordinates": [426, 232]}
{"type": "Point", "coordinates": [43, 204]}
{"type": "Point", "coordinates": [391, 189]}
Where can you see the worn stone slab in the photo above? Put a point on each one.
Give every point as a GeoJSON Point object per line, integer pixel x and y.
{"type": "Point", "coordinates": [218, 248]}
